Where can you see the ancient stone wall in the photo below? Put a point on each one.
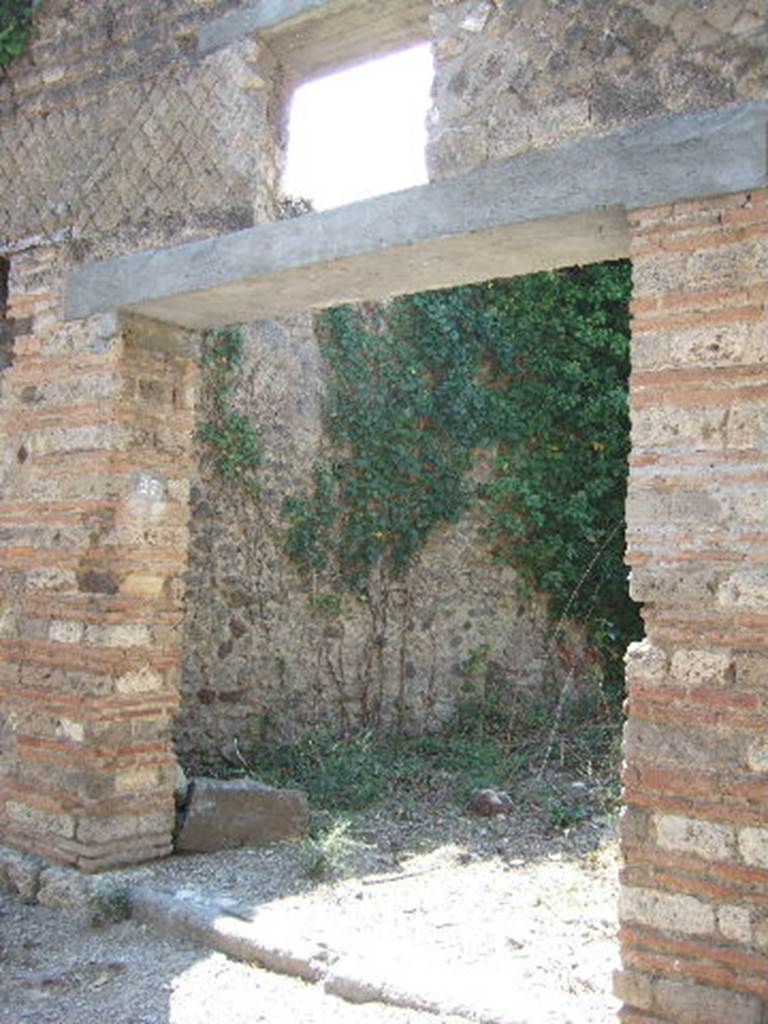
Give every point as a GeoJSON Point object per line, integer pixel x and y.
{"type": "Point", "coordinates": [114, 131]}
{"type": "Point", "coordinates": [515, 75]}
{"type": "Point", "coordinates": [98, 428]}
{"type": "Point", "coordinates": [117, 135]}
{"type": "Point", "coordinates": [261, 651]}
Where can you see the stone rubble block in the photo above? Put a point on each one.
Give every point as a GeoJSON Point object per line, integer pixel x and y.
{"type": "Point", "coordinates": [227, 814]}
{"type": "Point", "coordinates": [20, 873]}
{"type": "Point", "coordinates": [35, 880]}
{"type": "Point", "coordinates": [100, 898]}
{"type": "Point", "coordinates": [63, 889]}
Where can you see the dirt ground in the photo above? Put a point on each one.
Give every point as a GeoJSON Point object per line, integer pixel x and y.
{"type": "Point", "coordinates": [502, 919]}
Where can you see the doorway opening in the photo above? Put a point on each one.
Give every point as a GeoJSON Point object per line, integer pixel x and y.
{"type": "Point", "coordinates": [440, 723]}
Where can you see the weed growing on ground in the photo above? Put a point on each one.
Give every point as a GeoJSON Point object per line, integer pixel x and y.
{"type": "Point", "coordinates": [355, 772]}
{"type": "Point", "coordinates": [337, 773]}
{"type": "Point", "coordinates": [481, 747]}
{"type": "Point", "coordinates": [109, 906]}
{"type": "Point", "coordinates": [327, 854]}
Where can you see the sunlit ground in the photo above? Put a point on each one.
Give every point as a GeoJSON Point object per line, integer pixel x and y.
{"type": "Point", "coordinates": [447, 931]}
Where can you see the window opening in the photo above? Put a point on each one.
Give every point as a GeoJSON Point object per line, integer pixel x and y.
{"type": "Point", "coordinates": [360, 132]}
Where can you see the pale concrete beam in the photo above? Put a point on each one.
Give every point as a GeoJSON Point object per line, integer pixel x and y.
{"type": "Point", "coordinates": [547, 209]}
{"type": "Point", "coordinates": [310, 37]}
{"type": "Point", "coordinates": [283, 15]}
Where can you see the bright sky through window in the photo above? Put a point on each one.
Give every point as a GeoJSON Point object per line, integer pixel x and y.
{"type": "Point", "coordinates": [360, 132]}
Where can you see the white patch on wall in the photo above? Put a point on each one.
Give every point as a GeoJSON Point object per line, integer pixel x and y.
{"type": "Point", "coordinates": [360, 132]}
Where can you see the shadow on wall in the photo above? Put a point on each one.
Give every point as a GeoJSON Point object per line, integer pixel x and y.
{"type": "Point", "coordinates": [7, 326]}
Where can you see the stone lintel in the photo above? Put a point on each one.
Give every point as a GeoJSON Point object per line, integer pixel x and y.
{"type": "Point", "coordinates": [546, 209]}
{"type": "Point", "coordinates": [310, 37]}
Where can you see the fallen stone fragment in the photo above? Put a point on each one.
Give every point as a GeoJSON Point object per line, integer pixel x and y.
{"type": "Point", "coordinates": [227, 814]}
{"type": "Point", "coordinates": [488, 802]}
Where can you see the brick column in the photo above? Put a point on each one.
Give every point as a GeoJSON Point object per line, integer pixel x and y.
{"type": "Point", "coordinates": [694, 931]}
{"type": "Point", "coordinates": [97, 429]}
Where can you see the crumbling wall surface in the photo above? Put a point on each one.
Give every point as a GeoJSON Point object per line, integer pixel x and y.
{"type": "Point", "coordinates": [514, 75]}
{"type": "Point", "coordinates": [113, 130]}
{"type": "Point", "coordinates": [266, 648]}
{"type": "Point", "coordinates": [97, 428]}
{"type": "Point", "coordinates": [694, 835]}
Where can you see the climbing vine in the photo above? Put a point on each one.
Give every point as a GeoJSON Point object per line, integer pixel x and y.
{"type": "Point", "coordinates": [405, 412]}
{"type": "Point", "coordinates": [15, 27]}
{"type": "Point", "coordinates": [233, 439]}
{"type": "Point", "coordinates": [556, 504]}
{"type": "Point", "coordinates": [535, 367]}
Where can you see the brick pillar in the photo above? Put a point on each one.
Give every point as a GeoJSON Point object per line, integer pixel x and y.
{"type": "Point", "coordinates": [97, 429]}
{"type": "Point", "coordinates": [694, 931]}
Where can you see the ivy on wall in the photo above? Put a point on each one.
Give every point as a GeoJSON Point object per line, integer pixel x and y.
{"type": "Point", "coordinates": [404, 415]}
{"type": "Point", "coordinates": [231, 436]}
{"type": "Point", "coordinates": [15, 27]}
{"type": "Point", "coordinates": [556, 503]}
{"type": "Point", "coordinates": [535, 367]}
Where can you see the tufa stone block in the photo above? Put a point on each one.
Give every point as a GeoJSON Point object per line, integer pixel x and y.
{"type": "Point", "coordinates": [62, 888]}
{"type": "Point", "coordinates": [223, 815]}
{"type": "Point", "coordinates": [693, 667]}
{"type": "Point", "coordinates": [633, 988]}
{"type": "Point", "coordinates": [667, 912]}
{"type": "Point", "coordinates": [688, 1003]}
{"type": "Point", "coordinates": [735, 923]}
{"type": "Point", "coordinates": [705, 839]}
{"type": "Point", "coordinates": [753, 846]}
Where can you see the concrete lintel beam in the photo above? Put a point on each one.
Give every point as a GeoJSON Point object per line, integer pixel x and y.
{"type": "Point", "coordinates": [547, 209]}
{"type": "Point", "coordinates": [310, 37]}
